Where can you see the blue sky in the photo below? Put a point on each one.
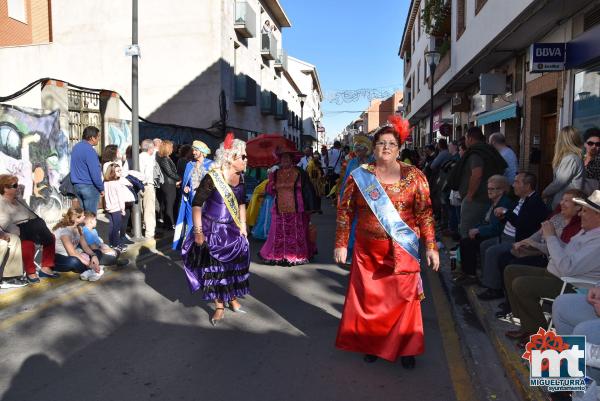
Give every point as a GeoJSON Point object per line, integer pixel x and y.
{"type": "Point", "coordinates": [353, 43]}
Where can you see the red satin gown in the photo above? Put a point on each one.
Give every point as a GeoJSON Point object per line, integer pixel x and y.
{"type": "Point", "coordinates": [382, 312]}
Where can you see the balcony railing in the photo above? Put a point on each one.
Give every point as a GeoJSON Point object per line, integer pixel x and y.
{"type": "Point", "coordinates": [281, 62]}
{"type": "Point", "coordinates": [281, 112]}
{"type": "Point", "coordinates": [268, 102]}
{"type": "Point", "coordinates": [245, 19]}
{"type": "Point", "coordinates": [268, 46]}
{"type": "Point", "coordinates": [245, 90]}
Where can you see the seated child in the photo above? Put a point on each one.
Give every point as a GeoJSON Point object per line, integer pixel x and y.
{"type": "Point", "coordinates": [109, 256]}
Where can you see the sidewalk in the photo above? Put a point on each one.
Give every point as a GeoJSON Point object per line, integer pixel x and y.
{"type": "Point", "coordinates": [516, 368]}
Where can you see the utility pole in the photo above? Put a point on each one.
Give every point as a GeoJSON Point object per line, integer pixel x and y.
{"type": "Point", "coordinates": [135, 124]}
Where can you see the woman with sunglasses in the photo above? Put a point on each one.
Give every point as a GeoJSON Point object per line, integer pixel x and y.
{"type": "Point", "coordinates": [288, 242]}
{"type": "Point", "coordinates": [592, 159]}
{"type": "Point", "coordinates": [390, 201]}
{"type": "Point", "coordinates": [567, 164]}
{"type": "Point", "coordinates": [217, 256]}
{"type": "Point", "coordinates": [17, 218]}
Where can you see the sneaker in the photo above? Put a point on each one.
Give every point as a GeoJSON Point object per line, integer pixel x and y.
{"type": "Point", "coordinates": [509, 318]}
{"type": "Point", "coordinates": [13, 282]}
{"type": "Point", "coordinates": [96, 276]}
{"type": "Point", "coordinates": [122, 262]}
{"type": "Point", "coordinates": [120, 248]}
{"type": "Point", "coordinates": [128, 238]}
{"type": "Point", "coordinates": [85, 276]}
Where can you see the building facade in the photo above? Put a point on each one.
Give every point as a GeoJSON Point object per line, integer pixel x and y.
{"type": "Point", "coordinates": [484, 76]}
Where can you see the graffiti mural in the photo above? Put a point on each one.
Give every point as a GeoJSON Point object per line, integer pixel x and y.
{"type": "Point", "coordinates": [35, 149]}
{"type": "Point", "coordinates": [119, 133]}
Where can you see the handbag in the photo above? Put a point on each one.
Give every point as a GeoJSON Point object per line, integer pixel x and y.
{"type": "Point", "coordinates": [197, 256]}
{"type": "Point", "coordinates": [66, 187]}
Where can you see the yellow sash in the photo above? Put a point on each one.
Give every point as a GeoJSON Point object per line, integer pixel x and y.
{"type": "Point", "coordinates": [227, 195]}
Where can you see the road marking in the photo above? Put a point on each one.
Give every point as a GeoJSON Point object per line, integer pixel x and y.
{"type": "Point", "coordinates": [461, 380]}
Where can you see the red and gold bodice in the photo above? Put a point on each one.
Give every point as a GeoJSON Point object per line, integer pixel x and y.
{"type": "Point", "coordinates": [410, 196]}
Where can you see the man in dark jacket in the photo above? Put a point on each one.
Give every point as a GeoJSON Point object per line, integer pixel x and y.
{"type": "Point", "coordinates": [469, 177]}
{"type": "Point", "coordinates": [521, 222]}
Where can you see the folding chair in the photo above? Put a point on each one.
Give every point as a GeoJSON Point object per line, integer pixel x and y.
{"type": "Point", "coordinates": [574, 282]}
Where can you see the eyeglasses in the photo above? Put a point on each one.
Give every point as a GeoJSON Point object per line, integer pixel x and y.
{"type": "Point", "coordinates": [383, 144]}
{"type": "Point", "coordinates": [13, 186]}
{"type": "Point", "coordinates": [592, 143]}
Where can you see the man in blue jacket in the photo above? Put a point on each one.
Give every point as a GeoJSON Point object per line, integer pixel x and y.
{"type": "Point", "coordinates": [86, 172]}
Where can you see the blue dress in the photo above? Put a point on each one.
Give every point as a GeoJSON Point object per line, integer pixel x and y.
{"type": "Point", "coordinates": [263, 223]}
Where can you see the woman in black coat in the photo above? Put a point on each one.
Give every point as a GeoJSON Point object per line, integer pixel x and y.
{"type": "Point", "coordinates": [168, 189]}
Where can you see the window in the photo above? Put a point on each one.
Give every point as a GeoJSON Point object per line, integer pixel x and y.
{"type": "Point", "coordinates": [519, 73]}
{"type": "Point", "coordinates": [479, 5]}
{"type": "Point", "coordinates": [17, 10]}
{"type": "Point", "coordinates": [418, 25]}
{"type": "Point", "coordinates": [425, 73]}
{"type": "Point", "coordinates": [586, 98]}
{"type": "Point", "coordinates": [418, 76]}
{"type": "Point", "coordinates": [460, 18]}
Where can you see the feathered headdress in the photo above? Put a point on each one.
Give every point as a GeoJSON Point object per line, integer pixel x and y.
{"type": "Point", "coordinates": [401, 126]}
{"type": "Point", "coordinates": [228, 143]}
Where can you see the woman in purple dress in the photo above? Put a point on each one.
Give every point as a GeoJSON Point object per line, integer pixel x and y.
{"type": "Point", "coordinates": [217, 257]}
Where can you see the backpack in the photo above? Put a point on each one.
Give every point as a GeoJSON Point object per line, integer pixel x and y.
{"type": "Point", "coordinates": [159, 178]}
{"type": "Point", "coordinates": [66, 187]}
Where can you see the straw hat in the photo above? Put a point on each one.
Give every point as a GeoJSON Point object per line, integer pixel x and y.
{"type": "Point", "coordinates": [592, 201]}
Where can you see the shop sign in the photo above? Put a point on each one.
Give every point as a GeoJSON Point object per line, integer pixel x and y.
{"type": "Point", "coordinates": [546, 57]}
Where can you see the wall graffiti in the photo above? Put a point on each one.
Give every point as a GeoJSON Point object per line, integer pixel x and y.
{"type": "Point", "coordinates": [35, 149]}
{"type": "Point", "coordinates": [119, 133]}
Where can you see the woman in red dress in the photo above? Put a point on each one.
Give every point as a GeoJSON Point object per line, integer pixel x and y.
{"type": "Point", "coordinates": [382, 313]}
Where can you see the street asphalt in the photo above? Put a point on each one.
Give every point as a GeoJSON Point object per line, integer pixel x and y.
{"type": "Point", "coordinates": [139, 334]}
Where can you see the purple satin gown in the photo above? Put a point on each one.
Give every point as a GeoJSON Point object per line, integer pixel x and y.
{"type": "Point", "coordinates": [222, 272]}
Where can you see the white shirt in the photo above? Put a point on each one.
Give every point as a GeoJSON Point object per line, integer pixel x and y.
{"type": "Point", "coordinates": [303, 162]}
{"type": "Point", "coordinates": [147, 167]}
{"type": "Point", "coordinates": [72, 235]}
{"type": "Point", "coordinates": [335, 160]}
{"type": "Point", "coordinates": [579, 258]}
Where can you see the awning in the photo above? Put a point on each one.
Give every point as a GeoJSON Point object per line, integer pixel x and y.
{"type": "Point", "coordinates": [584, 49]}
{"type": "Point", "coordinates": [503, 113]}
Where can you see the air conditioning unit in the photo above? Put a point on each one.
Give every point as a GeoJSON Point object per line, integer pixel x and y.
{"type": "Point", "coordinates": [492, 84]}
{"type": "Point", "coordinates": [481, 103]}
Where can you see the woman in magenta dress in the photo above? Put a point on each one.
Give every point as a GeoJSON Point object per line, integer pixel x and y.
{"type": "Point", "coordinates": [288, 242]}
{"type": "Point", "coordinates": [390, 201]}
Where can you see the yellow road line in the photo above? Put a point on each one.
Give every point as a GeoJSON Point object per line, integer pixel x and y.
{"type": "Point", "coordinates": [461, 380]}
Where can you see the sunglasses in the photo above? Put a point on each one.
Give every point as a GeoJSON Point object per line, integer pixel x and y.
{"type": "Point", "coordinates": [243, 157]}
{"type": "Point", "coordinates": [592, 143]}
{"type": "Point", "coordinates": [13, 186]}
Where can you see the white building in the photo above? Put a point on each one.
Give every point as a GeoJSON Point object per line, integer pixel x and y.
{"type": "Point", "coordinates": [202, 63]}
{"type": "Point", "coordinates": [483, 75]}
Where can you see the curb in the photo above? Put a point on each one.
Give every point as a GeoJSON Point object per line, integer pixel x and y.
{"type": "Point", "coordinates": [510, 358]}
{"type": "Point", "coordinates": [12, 297]}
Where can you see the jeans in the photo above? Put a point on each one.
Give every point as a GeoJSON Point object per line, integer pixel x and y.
{"type": "Point", "coordinates": [88, 196]}
{"type": "Point", "coordinates": [453, 218]}
{"type": "Point", "coordinates": [64, 263]}
{"type": "Point", "coordinates": [114, 228]}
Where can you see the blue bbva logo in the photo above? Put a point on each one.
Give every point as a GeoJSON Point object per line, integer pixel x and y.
{"type": "Point", "coordinates": [556, 362]}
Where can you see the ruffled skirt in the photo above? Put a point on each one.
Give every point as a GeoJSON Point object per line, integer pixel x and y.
{"type": "Point", "coordinates": [219, 269]}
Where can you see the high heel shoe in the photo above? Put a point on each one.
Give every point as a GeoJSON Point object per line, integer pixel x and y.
{"type": "Point", "coordinates": [408, 362]}
{"type": "Point", "coordinates": [214, 321]}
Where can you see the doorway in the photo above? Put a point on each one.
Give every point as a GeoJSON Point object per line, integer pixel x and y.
{"type": "Point", "coordinates": [547, 120]}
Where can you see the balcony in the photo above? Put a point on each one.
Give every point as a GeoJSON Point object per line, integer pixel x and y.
{"type": "Point", "coordinates": [281, 111]}
{"type": "Point", "coordinates": [268, 102]}
{"type": "Point", "coordinates": [245, 90]}
{"type": "Point", "coordinates": [245, 19]}
{"type": "Point", "coordinates": [268, 46]}
{"type": "Point", "coordinates": [281, 62]}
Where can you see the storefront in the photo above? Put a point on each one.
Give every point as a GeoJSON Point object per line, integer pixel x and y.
{"type": "Point", "coordinates": [583, 57]}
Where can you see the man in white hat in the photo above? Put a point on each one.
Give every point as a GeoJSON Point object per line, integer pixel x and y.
{"type": "Point", "coordinates": [194, 173]}
{"type": "Point", "coordinates": [578, 259]}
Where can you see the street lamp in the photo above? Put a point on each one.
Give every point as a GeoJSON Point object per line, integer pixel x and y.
{"type": "Point", "coordinates": [302, 97]}
{"type": "Point", "coordinates": [432, 58]}
{"type": "Point", "coordinates": [317, 122]}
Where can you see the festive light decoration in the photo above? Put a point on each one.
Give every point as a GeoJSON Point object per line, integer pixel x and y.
{"type": "Point", "coordinates": [354, 95]}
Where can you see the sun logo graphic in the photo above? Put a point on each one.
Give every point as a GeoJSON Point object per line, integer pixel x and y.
{"type": "Point", "coordinates": [556, 362]}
